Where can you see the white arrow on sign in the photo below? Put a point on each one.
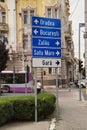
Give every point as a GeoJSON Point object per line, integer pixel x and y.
{"type": "Point", "coordinates": [35, 31]}
{"type": "Point", "coordinates": [57, 43]}
{"type": "Point", "coordinates": [57, 53]}
{"type": "Point", "coordinates": [36, 21]}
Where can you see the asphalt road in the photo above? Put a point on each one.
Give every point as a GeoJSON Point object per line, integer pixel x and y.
{"type": "Point", "coordinates": [16, 94]}
{"type": "Point", "coordinates": [83, 90]}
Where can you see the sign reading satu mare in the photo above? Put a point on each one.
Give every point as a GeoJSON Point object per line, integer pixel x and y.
{"type": "Point", "coordinates": [46, 42]}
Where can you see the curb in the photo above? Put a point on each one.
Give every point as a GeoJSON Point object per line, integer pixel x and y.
{"type": "Point", "coordinates": [53, 124]}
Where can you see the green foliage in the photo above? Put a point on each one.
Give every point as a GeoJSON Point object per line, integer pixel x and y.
{"type": "Point", "coordinates": [47, 96]}
{"type": "Point", "coordinates": [23, 107]}
{"type": "Point", "coordinates": [6, 112]}
{"type": "Point", "coordinates": [46, 105]}
{"type": "Point", "coordinates": [3, 56]}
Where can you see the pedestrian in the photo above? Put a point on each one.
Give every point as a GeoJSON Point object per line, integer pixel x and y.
{"type": "Point", "coordinates": [38, 86]}
{"type": "Point", "coordinates": [70, 85]}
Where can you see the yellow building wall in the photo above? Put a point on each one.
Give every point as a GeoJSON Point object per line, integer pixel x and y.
{"type": "Point", "coordinates": [22, 4]}
{"type": "Point", "coordinates": [39, 5]}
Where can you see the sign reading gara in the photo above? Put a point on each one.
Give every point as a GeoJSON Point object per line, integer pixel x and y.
{"type": "Point", "coordinates": [46, 42]}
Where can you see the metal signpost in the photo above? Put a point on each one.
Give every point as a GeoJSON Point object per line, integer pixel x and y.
{"type": "Point", "coordinates": [46, 47]}
{"type": "Point", "coordinates": [80, 25]}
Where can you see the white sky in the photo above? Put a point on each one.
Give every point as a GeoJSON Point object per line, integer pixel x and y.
{"type": "Point", "coordinates": [77, 16]}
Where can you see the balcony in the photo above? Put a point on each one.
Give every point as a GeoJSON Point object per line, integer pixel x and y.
{"type": "Point", "coordinates": [4, 27]}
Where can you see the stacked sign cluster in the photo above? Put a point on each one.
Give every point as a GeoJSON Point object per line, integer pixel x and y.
{"type": "Point", "coordinates": [46, 42]}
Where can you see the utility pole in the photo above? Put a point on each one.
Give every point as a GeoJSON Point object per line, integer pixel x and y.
{"type": "Point", "coordinates": [85, 36]}
{"type": "Point", "coordinates": [22, 41]}
{"type": "Point", "coordinates": [13, 53]}
{"type": "Point", "coordinates": [80, 26]}
{"type": "Point", "coordinates": [23, 64]}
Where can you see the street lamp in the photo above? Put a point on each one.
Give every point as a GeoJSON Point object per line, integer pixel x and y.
{"type": "Point", "coordinates": [85, 37]}
{"type": "Point", "coordinates": [80, 25]}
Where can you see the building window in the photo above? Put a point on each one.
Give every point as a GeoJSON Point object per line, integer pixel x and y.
{"type": "Point", "coordinates": [69, 28]}
{"type": "Point", "coordinates": [3, 17]}
{"type": "Point", "coordinates": [52, 12]}
{"type": "Point", "coordinates": [25, 14]}
{"type": "Point", "coordinates": [55, 13]}
{"type": "Point", "coordinates": [2, 0]}
{"type": "Point", "coordinates": [31, 14]}
{"type": "Point", "coordinates": [49, 13]}
{"type": "Point", "coordinates": [50, 70]}
{"type": "Point", "coordinates": [44, 72]}
{"type": "Point", "coordinates": [25, 41]}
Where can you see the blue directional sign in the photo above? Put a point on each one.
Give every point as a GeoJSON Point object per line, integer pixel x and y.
{"type": "Point", "coordinates": [46, 22]}
{"type": "Point", "coordinates": [46, 42]}
{"type": "Point", "coordinates": [46, 52]}
{"type": "Point", "coordinates": [46, 32]}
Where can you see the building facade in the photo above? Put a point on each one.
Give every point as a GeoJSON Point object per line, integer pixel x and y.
{"type": "Point", "coordinates": [18, 20]}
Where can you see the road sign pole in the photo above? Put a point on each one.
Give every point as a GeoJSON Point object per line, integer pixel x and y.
{"type": "Point", "coordinates": [57, 101]}
{"type": "Point", "coordinates": [46, 48]}
{"type": "Point", "coordinates": [35, 72]}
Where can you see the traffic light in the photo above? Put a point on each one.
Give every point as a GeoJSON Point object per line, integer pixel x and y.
{"type": "Point", "coordinates": [80, 65]}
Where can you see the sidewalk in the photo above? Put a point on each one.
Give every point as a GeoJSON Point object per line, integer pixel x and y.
{"type": "Point", "coordinates": [73, 115]}
{"type": "Point", "coordinates": [43, 125]}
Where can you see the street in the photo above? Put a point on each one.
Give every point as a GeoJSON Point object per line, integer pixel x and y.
{"type": "Point", "coordinates": [16, 94]}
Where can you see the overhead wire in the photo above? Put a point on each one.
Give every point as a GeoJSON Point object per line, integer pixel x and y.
{"type": "Point", "coordinates": [75, 8]}
{"type": "Point", "coordinates": [73, 11]}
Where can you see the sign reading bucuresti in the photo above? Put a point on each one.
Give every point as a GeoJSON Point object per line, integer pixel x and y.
{"type": "Point", "coordinates": [46, 42]}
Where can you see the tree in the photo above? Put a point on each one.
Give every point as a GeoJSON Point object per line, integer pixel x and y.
{"type": "Point", "coordinates": [3, 56]}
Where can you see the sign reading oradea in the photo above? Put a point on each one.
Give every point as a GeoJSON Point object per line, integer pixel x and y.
{"type": "Point", "coordinates": [46, 22]}
{"type": "Point", "coordinates": [46, 42]}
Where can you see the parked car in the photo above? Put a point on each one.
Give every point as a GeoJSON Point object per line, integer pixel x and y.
{"type": "Point", "coordinates": [72, 84]}
{"type": "Point", "coordinates": [76, 83]}
{"type": "Point", "coordinates": [82, 82]}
